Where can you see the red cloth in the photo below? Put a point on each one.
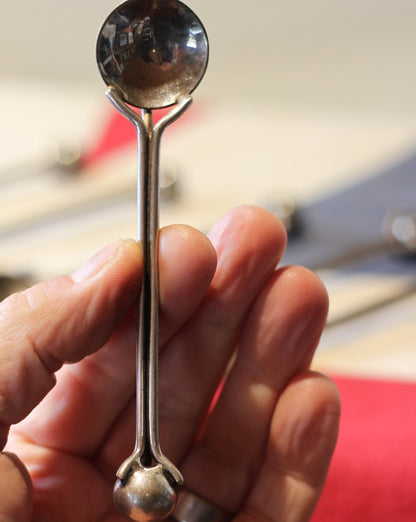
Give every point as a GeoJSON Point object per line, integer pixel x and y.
{"type": "Point", "coordinates": [118, 132]}
{"type": "Point", "coordinates": [373, 473]}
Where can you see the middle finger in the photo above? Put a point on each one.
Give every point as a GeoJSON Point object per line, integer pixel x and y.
{"type": "Point", "coordinates": [249, 242]}
{"type": "Point", "coordinates": [278, 341]}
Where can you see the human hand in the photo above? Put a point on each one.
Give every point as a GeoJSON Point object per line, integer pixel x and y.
{"type": "Point", "coordinates": [264, 449]}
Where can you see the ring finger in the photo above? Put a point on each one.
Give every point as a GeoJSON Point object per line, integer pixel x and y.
{"type": "Point", "coordinates": [277, 342]}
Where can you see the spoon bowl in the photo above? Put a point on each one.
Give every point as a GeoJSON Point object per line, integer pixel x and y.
{"type": "Point", "coordinates": [152, 51]}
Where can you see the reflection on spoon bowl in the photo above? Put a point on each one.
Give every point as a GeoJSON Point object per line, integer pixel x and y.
{"type": "Point", "coordinates": [152, 52]}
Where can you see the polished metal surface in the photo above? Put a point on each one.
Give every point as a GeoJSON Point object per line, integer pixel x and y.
{"type": "Point", "coordinates": [399, 229]}
{"type": "Point", "coordinates": [192, 508]}
{"type": "Point", "coordinates": [153, 51]}
{"type": "Point", "coordinates": [56, 160]}
{"type": "Point", "coordinates": [147, 458]}
{"type": "Point", "coordinates": [152, 54]}
{"type": "Point", "coordinates": [12, 284]}
{"type": "Point", "coordinates": [150, 495]}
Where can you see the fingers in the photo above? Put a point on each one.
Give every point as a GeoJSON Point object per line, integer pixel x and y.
{"type": "Point", "coordinates": [61, 321]}
{"type": "Point", "coordinates": [15, 490]}
{"type": "Point", "coordinates": [249, 242]}
{"type": "Point", "coordinates": [187, 262]}
{"type": "Point", "coordinates": [302, 439]}
{"type": "Point", "coordinates": [277, 342]}
{"type": "Point", "coordinates": [96, 390]}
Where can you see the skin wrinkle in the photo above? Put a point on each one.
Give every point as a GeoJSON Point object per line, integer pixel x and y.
{"type": "Point", "coordinates": [42, 300]}
{"type": "Point", "coordinates": [102, 373]}
{"type": "Point", "coordinates": [228, 235]}
{"type": "Point", "coordinates": [222, 451]}
{"type": "Point", "coordinates": [191, 410]}
{"type": "Point", "coordinates": [9, 307]}
{"type": "Point", "coordinates": [80, 383]}
{"type": "Point", "coordinates": [283, 278]}
{"type": "Point", "coordinates": [303, 442]}
{"type": "Point", "coordinates": [31, 368]}
{"type": "Point", "coordinates": [281, 486]}
{"type": "Point", "coordinates": [194, 367]}
{"type": "Point", "coordinates": [89, 361]}
{"type": "Point", "coordinates": [266, 336]}
{"type": "Point", "coordinates": [172, 238]}
{"type": "Point", "coordinates": [177, 408]}
{"type": "Point", "coordinates": [215, 316]}
{"type": "Point", "coordinates": [291, 482]}
{"type": "Point", "coordinates": [294, 512]}
{"type": "Point", "coordinates": [238, 477]}
{"type": "Point", "coordinates": [216, 311]}
{"type": "Point", "coordinates": [302, 363]}
{"type": "Point", "coordinates": [50, 363]}
{"type": "Point", "coordinates": [50, 305]}
{"type": "Point", "coordinates": [315, 453]}
{"type": "Point", "coordinates": [312, 445]}
{"type": "Point", "coordinates": [105, 460]}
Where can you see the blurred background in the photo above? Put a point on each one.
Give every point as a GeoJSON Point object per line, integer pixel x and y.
{"type": "Point", "coordinates": [307, 108]}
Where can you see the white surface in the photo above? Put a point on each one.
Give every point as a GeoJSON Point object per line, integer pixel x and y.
{"type": "Point", "coordinates": [354, 54]}
{"type": "Point", "coordinates": [223, 156]}
{"type": "Point", "coordinates": [300, 97]}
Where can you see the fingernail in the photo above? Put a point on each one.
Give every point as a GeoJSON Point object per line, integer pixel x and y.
{"type": "Point", "coordinates": [97, 262]}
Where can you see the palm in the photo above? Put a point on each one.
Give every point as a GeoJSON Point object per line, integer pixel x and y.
{"type": "Point", "coordinates": [254, 458]}
{"type": "Point", "coordinates": [68, 487]}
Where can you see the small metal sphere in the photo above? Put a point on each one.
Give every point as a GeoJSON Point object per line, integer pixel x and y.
{"type": "Point", "coordinates": [145, 495]}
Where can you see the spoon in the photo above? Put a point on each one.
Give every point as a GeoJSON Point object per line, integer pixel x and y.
{"type": "Point", "coordinates": [58, 159]}
{"type": "Point", "coordinates": [151, 54]}
{"type": "Point", "coordinates": [398, 237]}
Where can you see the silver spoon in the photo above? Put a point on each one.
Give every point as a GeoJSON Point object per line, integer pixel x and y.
{"type": "Point", "coordinates": [151, 54]}
{"type": "Point", "coordinates": [58, 159]}
{"type": "Point", "coordinates": [398, 237]}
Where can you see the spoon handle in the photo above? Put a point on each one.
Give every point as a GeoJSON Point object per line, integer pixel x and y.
{"type": "Point", "coordinates": [147, 448]}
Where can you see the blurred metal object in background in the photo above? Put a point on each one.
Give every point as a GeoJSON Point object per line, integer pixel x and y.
{"type": "Point", "coordinates": [10, 285]}
{"type": "Point", "coordinates": [57, 159]}
{"type": "Point", "coordinates": [283, 207]}
{"type": "Point", "coordinates": [399, 229]}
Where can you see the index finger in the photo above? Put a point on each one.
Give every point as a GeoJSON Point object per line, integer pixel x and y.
{"type": "Point", "coordinates": [61, 321]}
